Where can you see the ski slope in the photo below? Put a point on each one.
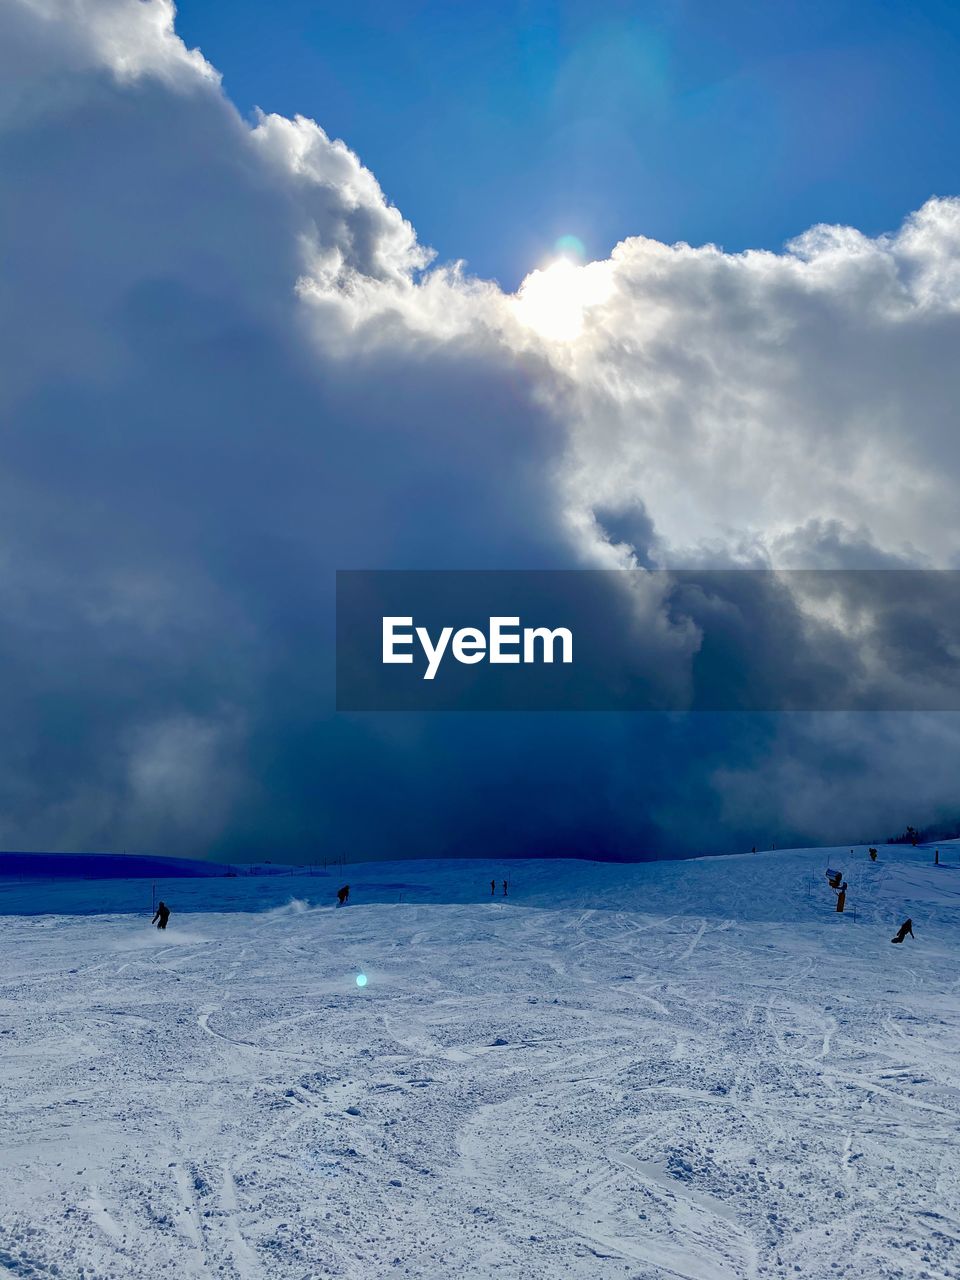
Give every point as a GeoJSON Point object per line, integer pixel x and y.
{"type": "Point", "coordinates": [677, 1069]}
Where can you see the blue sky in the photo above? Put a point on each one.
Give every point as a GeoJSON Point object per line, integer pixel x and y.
{"type": "Point", "coordinates": [496, 128]}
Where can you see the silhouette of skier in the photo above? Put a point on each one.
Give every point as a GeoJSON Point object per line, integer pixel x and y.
{"type": "Point", "coordinates": [493, 887]}
{"type": "Point", "coordinates": [873, 855]}
{"type": "Point", "coordinates": [905, 928]}
{"type": "Point", "coordinates": [343, 894]}
{"type": "Point", "coordinates": [161, 916]}
{"type": "Point", "coordinates": [504, 888]}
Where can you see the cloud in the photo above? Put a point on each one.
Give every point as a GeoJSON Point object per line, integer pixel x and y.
{"type": "Point", "coordinates": [744, 398]}
{"type": "Point", "coordinates": [230, 368]}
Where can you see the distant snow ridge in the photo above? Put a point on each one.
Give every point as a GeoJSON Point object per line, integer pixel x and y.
{"type": "Point", "coordinates": [103, 866]}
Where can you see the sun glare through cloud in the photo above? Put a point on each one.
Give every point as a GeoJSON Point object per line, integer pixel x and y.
{"type": "Point", "coordinates": [553, 300]}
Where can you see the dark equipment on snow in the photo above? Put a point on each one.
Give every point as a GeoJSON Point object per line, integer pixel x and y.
{"type": "Point", "coordinates": [842, 896]}
{"type": "Point", "coordinates": [905, 928]}
{"type": "Point", "coordinates": [162, 916]}
{"type": "Point", "coordinates": [834, 878]}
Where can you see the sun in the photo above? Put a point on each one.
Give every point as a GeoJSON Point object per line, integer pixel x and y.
{"type": "Point", "coordinates": [553, 300]}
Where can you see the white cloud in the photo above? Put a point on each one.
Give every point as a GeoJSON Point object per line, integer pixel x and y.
{"type": "Point", "coordinates": [49, 43]}
{"type": "Point", "coordinates": [742, 399]}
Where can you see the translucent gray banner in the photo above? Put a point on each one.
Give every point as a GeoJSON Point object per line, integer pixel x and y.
{"type": "Point", "coordinates": [639, 640]}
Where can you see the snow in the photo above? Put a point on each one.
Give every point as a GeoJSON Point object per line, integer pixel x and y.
{"type": "Point", "coordinates": [676, 1069]}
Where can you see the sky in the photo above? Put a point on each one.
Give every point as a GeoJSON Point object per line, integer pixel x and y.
{"type": "Point", "coordinates": [239, 356]}
{"type": "Point", "coordinates": [498, 128]}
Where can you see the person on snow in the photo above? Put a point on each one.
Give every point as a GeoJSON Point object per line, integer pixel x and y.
{"type": "Point", "coordinates": [504, 888]}
{"type": "Point", "coordinates": [161, 916]}
{"type": "Point", "coordinates": [493, 887]}
{"type": "Point", "coordinates": [873, 855]}
{"type": "Point", "coordinates": [343, 894]}
{"type": "Point", "coordinates": [905, 928]}
{"type": "Point", "coordinates": [842, 896]}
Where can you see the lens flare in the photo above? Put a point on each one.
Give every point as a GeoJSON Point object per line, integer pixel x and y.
{"type": "Point", "coordinates": [361, 979]}
{"type": "Point", "coordinates": [571, 247]}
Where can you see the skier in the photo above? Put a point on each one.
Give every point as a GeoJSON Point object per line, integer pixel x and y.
{"type": "Point", "coordinates": [842, 896]}
{"type": "Point", "coordinates": [161, 916]}
{"type": "Point", "coordinates": [873, 855]}
{"type": "Point", "coordinates": [493, 887]}
{"type": "Point", "coordinates": [905, 928]}
{"type": "Point", "coordinates": [504, 888]}
{"type": "Point", "coordinates": [342, 895]}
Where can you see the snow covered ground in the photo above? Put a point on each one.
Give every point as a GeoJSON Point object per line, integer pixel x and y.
{"type": "Point", "coordinates": [685, 1069]}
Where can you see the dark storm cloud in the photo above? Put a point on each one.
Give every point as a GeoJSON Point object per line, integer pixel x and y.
{"type": "Point", "coordinates": [227, 372]}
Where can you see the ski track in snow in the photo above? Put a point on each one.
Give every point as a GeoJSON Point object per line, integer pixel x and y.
{"type": "Point", "coordinates": [682, 1071]}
